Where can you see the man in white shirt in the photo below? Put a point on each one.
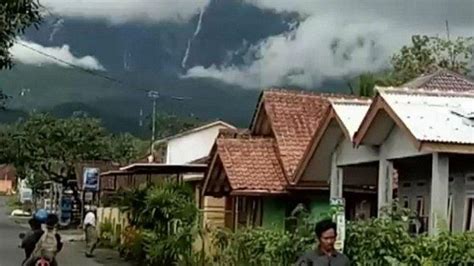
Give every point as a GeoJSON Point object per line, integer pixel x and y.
{"type": "Point", "coordinates": [90, 231]}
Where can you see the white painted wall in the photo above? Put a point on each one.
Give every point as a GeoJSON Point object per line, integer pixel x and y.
{"type": "Point", "coordinates": [192, 146]}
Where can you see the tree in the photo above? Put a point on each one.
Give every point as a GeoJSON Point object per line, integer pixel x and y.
{"type": "Point", "coordinates": [168, 125]}
{"type": "Point", "coordinates": [15, 17]}
{"type": "Point", "coordinates": [123, 148]}
{"type": "Point", "coordinates": [426, 53]}
{"type": "Point", "coordinates": [422, 56]}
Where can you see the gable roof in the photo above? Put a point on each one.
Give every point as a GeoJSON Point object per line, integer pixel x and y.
{"type": "Point", "coordinates": [294, 117]}
{"type": "Point", "coordinates": [430, 118]}
{"type": "Point", "coordinates": [348, 114]}
{"type": "Point", "coordinates": [441, 80]}
{"type": "Point", "coordinates": [197, 129]}
{"type": "Point", "coordinates": [251, 166]}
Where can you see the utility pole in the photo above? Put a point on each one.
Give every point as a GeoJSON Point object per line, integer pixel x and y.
{"type": "Point", "coordinates": [447, 29]}
{"type": "Point", "coordinates": [154, 95]}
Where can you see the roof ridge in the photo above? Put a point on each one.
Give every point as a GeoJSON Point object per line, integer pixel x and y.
{"type": "Point", "coordinates": [411, 91]}
{"type": "Point", "coordinates": [310, 92]}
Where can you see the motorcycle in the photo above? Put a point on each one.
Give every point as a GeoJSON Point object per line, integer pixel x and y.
{"type": "Point", "coordinates": [40, 261]}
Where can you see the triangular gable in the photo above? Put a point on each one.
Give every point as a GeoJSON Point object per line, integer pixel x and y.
{"type": "Point", "coordinates": [341, 121]}
{"type": "Point", "coordinates": [428, 119]}
{"type": "Point", "coordinates": [378, 122]}
{"type": "Point", "coordinates": [216, 181]}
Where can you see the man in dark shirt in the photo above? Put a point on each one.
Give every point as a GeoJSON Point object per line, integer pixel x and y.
{"type": "Point", "coordinates": [31, 239]}
{"type": "Point", "coordinates": [325, 254]}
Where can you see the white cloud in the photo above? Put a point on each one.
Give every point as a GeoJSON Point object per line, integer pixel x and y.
{"type": "Point", "coordinates": [340, 38]}
{"type": "Point", "coordinates": [63, 53]}
{"type": "Point", "coordinates": [119, 11]}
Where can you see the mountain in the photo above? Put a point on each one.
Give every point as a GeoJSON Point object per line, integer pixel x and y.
{"type": "Point", "coordinates": [146, 56]}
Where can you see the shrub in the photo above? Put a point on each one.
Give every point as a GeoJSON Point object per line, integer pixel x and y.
{"type": "Point", "coordinates": [131, 246]}
{"type": "Point", "coordinates": [106, 230]}
{"type": "Point", "coordinates": [166, 217]}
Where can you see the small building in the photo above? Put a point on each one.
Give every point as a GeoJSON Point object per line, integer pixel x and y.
{"type": "Point", "coordinates": [8, 178]}
{"type": "Point", "coordinates": [190, 145]}
{"type": "Point", "coordinates": [256, 171]}
{"type": "Point", "coordinates": [428, 137]}
{"type": "Point", "coordinates": [181, 156]}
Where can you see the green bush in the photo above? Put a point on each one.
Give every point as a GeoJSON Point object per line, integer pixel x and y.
{"type": "Point", "coordinates": [166, 217]}
{"type": "Point", "coordinates": [386, 241]}
{"type": "Point", "coordinates": [165, 225]}
{"type": "Point", "coordinates": [106, 236]}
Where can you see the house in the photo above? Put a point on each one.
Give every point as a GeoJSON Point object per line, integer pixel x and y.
{"type": "Point", "coordinates": [384, 162]}
{"type": "Point", "coordinates": [8, 178]}
{"type": "Point", "coordinates": [428, 136]}
{"type": "Point", "coordinates": [257, 170]}
{"type": "Point", "coordinates": [190, 145]}
{"type": "Point", "coordinates": [331, 156]}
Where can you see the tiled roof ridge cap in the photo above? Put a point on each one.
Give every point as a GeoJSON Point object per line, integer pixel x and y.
{"type": "Point", "coordinates": [312, 93]}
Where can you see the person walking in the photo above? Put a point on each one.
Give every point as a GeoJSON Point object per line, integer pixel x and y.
{"type": "Point", "coordinates": [325, 254]}
{"type": "Point", "coordinates": [90, 231]}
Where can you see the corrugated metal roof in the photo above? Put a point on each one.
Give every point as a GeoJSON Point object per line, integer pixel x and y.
{"type": "Point", "coordinates": [351, 113]}
{"type": "Point", "coordinates": [436, 117]}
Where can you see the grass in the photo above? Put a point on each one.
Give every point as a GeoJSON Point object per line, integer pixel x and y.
{"type": "Point", "coordinates": [13, 203]}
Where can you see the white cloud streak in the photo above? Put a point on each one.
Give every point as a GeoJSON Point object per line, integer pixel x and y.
{"type": "Point", "coordinates": [121, 11]}
{"type": "Point", "coordinates": [29, 56]}
{"type": "Point", "coordinates": [339, 39]}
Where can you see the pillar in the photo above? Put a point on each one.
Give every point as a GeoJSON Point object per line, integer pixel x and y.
{"type": "Point", "coordinates": [439, 193]}
{"type": "Point", "coordinates": [336, 180]}
{"type": "Point", "coordinates": [385, 184]}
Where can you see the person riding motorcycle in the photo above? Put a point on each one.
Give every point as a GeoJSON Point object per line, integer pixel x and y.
{"type": "Point", "coordinates": [44, 244]}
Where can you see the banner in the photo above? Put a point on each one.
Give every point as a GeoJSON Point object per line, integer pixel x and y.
{"type": "Point", "coordinates": [91, 179]}
{"type": "Point", "coordinates": [338, 205]}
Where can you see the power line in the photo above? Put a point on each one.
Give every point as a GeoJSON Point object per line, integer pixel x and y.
{"type": "Point", "coordinates": [83, 69]}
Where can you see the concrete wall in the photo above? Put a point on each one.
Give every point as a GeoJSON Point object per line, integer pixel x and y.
{"type": "Point", "coordinates": [6, 186]}
{"type": "Point", "coordinates": [112, 215]}
{"type": "Point", "coordinates": [399, 145]}
{"type": "Point", "coordinates": [348, 155]}
{"type": "Point", "coordinates": [193, 146]}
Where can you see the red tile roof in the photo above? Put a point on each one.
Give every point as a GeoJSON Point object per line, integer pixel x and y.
{"type": "Point", "coordinates": [251, 164]}
{"type": "Point", "coordinates": [443, 80]}
{"type": "Point", "coordinates": [294, 117]}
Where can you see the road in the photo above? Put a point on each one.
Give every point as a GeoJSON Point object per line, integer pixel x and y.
{"type": "Point", "coordinates": [71, 255]}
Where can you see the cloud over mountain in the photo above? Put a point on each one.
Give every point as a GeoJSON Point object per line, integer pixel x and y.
{"type": "Point", "coordinates": [34, 54]}
{"type": "Point", "coordinates": [120, 11]}
{"type": "Point", "coordinates": [340, 38]}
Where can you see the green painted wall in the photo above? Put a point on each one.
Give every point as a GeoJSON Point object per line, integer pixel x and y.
{"type": "Point", "coordinates": [273, 213]}
{"type": "Point", "coordinates": [319, 206]}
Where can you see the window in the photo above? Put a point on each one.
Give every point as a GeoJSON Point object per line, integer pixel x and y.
{"type": "Point", "coordinates": [406, 202]}
{"type": "Point", "coordinates": [249, 211]}
{"type": "Point", "coordinates": [470, 179]}
{"type": "Point", "coordinates": [420, 210]}
{"type": "Point", "coordinates": [470, 214]}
